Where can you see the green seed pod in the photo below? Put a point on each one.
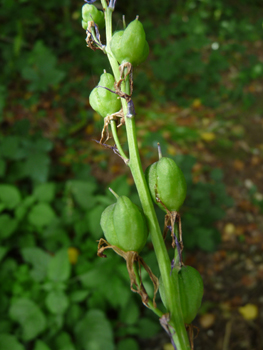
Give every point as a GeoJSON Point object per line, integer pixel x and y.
{"type": "Point", "coordinates": [124, 225]}
{"type": "Point", "coordinates": [167, 183]}
{"type": "Point", "coordinates": [91, 13]}
{"type": "Point", "coordinates": [104, 101]}
{"type": "Point", "coordinates": [130, 45]}
{"type": "Point", "coordinates": [191, 292]}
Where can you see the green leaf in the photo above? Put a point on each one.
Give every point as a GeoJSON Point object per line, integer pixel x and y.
{"type": "Point", "coordinates": [128, 344]}
{"type": "Point", "coordinates": [9, 147]}
{"type": "Point", "coordinates": [23, 207]}
{"type": "Point", "coordinates": [41, 215]}
{"type": "Point", "coordinates": [10, 196]}
{"type": "Point", "coordinates": [9, 342]}
{"type": "Point", "coordinates": [73, 314]}
{"type": "Point", "coordinates": [82, 192]}
{"type": "Point", "coordinates": [40, 69]}
{"type": "Point", "coordinates": [40, 345]}
{"type": "Point", "coordinates": [130, 313]}
{"type": "Point", "coordinates": [2, 167]}
{"type": "Point", "coordinates": [63, 342]}
{"type": "Point", "coordinates": [8, 226]}
{"type": "Point", "coordinates": [57, 302]}
{"type": "Point", "coordinates": [93, 332]}
{"type": "Point", "coordinates": [93, 218]}
{"type": "Point", "coordinates": [147, 328]}
{"type": "Point", "coordinates": [29, 316]}
{"type": "Point", "coordinates": [78, 296]}
{"type": "Point", "coordinates": [45, 192]}
{"type": "Point", "coordinates": [117, 292]}
{"type": "Point", "coordinates": [217, 174]}
{"type": "Point", "coordinates": [59, 267]}
{"type": "Point", "coordinates": [3, 251]}
{"type": "Point", "coordinates": [39, 259]}
{"type": "Point", "coordinates": [43, 144]}
{"type": "Point", "coordinates": [36, 166]}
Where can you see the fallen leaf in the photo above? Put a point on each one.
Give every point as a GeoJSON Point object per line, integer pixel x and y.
{"type": "Point", "coordinates": [249, 311]}
{"type": "Point", "coordinates": [73, 254]}
{"type": "Point", "coordinates": [208, 136]}
{"type": "Point", "coordinates": [229, 229]}
{"type": "Point", "coordinates": [238, 165]}
{"type": "Point", "coordinates": [197, 103]}
{"type": "Point", "coordinates": [207, 320]}
{"type": "Point", "coordinates": [168, 346]}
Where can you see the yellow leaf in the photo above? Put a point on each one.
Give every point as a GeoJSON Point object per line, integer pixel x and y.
{"type": "Point", "coordinates": [73, 254]}
{"type": "Point", "coordinates": [208, 136]}
{"type": "Point", "coordinates": [229, 229]}
{"type": "Point", "coordinates": [168, 347]}
{"type": "Point", "coordinates": [196, 103]}
{"type": "Point", "coordinates": [249, 311]}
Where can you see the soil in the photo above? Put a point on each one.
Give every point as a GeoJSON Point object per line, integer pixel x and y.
{"type": "Point", "coordinates": [231, 317]}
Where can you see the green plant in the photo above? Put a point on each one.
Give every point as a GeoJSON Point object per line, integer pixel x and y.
{"type": "Point", "coordinates": [116, 222]}
{"type": "Point", "coordinates": [119, 49]}
{"type": "Point", "coordinates": [167, 184]}
{"type": "Point", "coordinates": [191, 292]}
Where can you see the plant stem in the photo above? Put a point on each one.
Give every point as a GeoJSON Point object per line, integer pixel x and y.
{"type": "Point", "coordinates": [158, 312]}
{"type": "Point", "coordinates": [171, 286]}
{"type": "Point", "coordinates": [116, 140]}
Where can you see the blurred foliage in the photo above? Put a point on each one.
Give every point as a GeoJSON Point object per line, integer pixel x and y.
{"type": "Point", "coordinates": [53, 285]}
{"type": "Point", "coordinates": [53, 293]}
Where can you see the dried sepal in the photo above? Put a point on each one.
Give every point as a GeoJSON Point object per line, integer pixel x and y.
{"type": "Point", "coordinates": [132, 257]}
{"type": "Point", "coordinates": [172, 218]}
{"type": "Point", "coordinates": [107, 121]}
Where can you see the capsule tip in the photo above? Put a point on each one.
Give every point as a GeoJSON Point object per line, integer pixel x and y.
{"type": "Point", "coordinates": [114, 193]}
{"type": "Point", "coordinates": [159, 150]}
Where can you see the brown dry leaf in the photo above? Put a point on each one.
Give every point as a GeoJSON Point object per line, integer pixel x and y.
{"type": "Point", "coordinates": [249, 311]}
{"type": "Point", "coordinates": [238, 165]}
{"type": "Point", "coordinates": [116, 168]}
{"type": "Point", "coordinates": [255, 160]}
{"type": "Point", "coordinates": [248, 281]}
{"type": "Point", "coordinates": [207, 320]}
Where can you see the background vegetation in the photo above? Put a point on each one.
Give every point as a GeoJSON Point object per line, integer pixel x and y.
{"type": "Point", "coordinates": [198, 95]}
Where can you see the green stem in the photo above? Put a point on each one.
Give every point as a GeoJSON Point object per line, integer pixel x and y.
{"type": "Point", "coordinates": [117, 141]}
{"type": "Point", "coordinates": [158, 312]}
{"type": "Point", "coordinates": [170, 285]}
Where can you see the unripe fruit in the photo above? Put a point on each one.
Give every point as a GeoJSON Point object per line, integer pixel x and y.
{"type": "Point", "coordinates": [91, 13]}
{"type": "Point", "coordinates": [166, 183]}
{"type": "Point", "coordinates": [124, 225]}
{"type": "Point", "coordinates": [130, 45]}
{"type": "Point", "coordinates": [102, 100]}
{"type": "Point", "coordinates": [191, 292]}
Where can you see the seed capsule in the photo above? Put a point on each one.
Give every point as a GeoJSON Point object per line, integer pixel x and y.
{"type": "Point", "coordinates": [191, 292]}
{"type": "Point", "coordinates": [91, 13]}
{"type": "Point", "coordinates": [124, 225]}
{"type": "Point", "coordinates": [166, 183]}
{"type": "Point", "coordinates": [130, 45]}
{"type": "Point", "coordinates": [102, 100]}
